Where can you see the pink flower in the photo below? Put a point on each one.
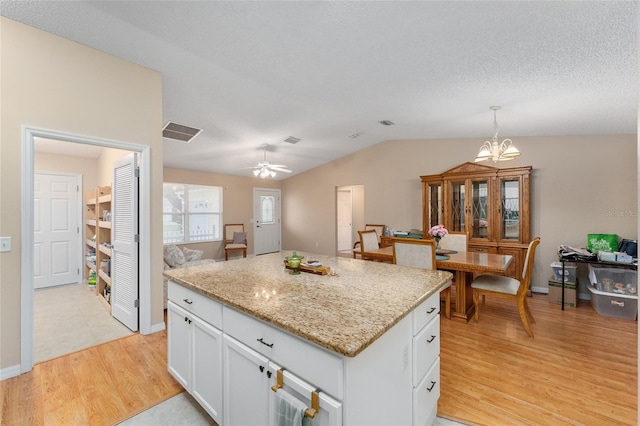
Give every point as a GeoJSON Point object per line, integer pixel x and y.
{"type": "Point", "coordinates": [438, 231]}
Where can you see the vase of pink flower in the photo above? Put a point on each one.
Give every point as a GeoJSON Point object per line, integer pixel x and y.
{"type": "Point", "coordinates": [437, 232]}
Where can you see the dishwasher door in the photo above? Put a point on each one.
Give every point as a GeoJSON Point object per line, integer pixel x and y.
{"type": "Point", "coordinates": [330, 410]}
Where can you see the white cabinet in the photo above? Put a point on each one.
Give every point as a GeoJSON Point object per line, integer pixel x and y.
{"type": "Point", "coordinates": [195, 358]}
{"type": "Point", "coordinates": [229, 363]}
{"type": "Point", "coordinates": [246, 385]}
{"type": "Point", "coordinates": [426, 361]}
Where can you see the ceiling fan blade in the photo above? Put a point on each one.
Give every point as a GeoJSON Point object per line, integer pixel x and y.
{"type": "Point", "coordinates": [280, 169]}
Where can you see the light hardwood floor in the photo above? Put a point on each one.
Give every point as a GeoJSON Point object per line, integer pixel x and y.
{"type": "Point", "coordinates": [580, 369]}
{"type": "Point", "coordinates": [100, 385]}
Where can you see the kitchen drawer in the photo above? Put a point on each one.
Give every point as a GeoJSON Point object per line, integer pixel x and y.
{"type": "Point", "coordinates": [198, 304]}
{"type": "Point", "coordinates": [425, 397]}
{"type": "Point", "coordinates": [425, 312]}
{"type": "Point", "coordinates": [426, 348]}
{"type": "Point", "coordinates": [310, 362]}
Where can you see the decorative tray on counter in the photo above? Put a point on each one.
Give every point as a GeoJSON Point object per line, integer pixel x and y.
{"type": "Point", "coordinates": [318, 270]}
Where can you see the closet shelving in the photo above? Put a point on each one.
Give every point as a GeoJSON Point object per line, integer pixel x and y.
{"type": "Point", "coordinates": [98, 240]}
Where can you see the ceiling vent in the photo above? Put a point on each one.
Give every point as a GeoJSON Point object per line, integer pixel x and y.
{"type": "Point", "coordinates": [386, 122]}
{"type": "Point", "coordinates": [292, 140]}
{"type": "Point", "coordinates": [179, 132]}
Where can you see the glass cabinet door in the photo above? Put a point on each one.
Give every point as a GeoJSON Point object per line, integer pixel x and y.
{"type": "Point", "coordinates": [510, 209]}
{"type": "Point", "coordinates": [434, 204]}
{"type": "Point", "coordinates": [479, 208]}
{"type": "Point", "coordinates": [457, 207]}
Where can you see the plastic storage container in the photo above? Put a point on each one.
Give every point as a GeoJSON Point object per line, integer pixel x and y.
{"type": "Point", "coordinates": [614, 292]}
{"type": "Point", "coordinates": [569, 272]}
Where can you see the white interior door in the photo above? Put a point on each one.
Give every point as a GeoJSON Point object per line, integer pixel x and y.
{"type": "Point", "coordinates": [344, 223]}
{"type": "Point", "coordinates": [56, 251]}
{"type": "Point", "coordinates": [124, 235]}
{"type": "Point", "coordinates": [266, 223]}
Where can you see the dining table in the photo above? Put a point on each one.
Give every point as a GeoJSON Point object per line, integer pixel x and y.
{"type": "Point", "coordinates": [464, 265]}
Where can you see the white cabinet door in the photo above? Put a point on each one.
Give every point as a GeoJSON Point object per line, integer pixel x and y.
{"type": "Point", "coordinates": [329, 410]}
{"type": "Point", "coordinates": [124, 233]}
{"type": "Point", "coordinates": [246, 385]}
{"type": "Point", "coordinates": [178, 347]}
{"type": "Point", "coordinates": [206, 372]}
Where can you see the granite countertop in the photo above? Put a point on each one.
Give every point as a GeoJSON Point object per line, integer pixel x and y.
{"type": "Point", "coordinates": [343, 313]}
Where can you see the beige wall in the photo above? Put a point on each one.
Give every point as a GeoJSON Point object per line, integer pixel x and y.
{"type": "Point", "coordinates": [237, 202]}
{"type": "Point", "coordinates": [87, 167]}
{"type": "Point", "coordinates": [52, 83]}
{"type": "Point", "coordinates": [95, 171]}
{"type": "Point", "coordinates": [579, 185]}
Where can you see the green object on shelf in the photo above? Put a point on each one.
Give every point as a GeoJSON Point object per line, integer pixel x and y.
{"type": "Point", "coordinates": [92, 279]}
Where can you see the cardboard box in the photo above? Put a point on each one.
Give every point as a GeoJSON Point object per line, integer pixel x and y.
{"type": "Point", "coordinates": [555, 293]}
{"type": "Point", "coordinates": [569, 272]}
{"type": "Point", "coordinates": [602, 242]}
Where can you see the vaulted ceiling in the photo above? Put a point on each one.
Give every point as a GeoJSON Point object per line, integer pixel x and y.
{"type": "Point", "coordinates": [255, 73]}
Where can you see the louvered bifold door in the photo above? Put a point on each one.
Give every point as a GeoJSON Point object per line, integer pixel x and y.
{"type": "Point", "coordinates": [124, 231]}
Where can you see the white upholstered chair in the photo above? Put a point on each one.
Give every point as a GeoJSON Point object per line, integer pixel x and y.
{"type": "Point", "coordinates": [454, 241]}
{"type": "Point", "coordinates": [510, 288]}
{"type": "Point", "coordinates": [419, 253]}
{"type": "Point", "coordinates": [368, 227]}
{"type": "Point", "coordinates": [368, 242]}
{"type": "Point", "coordinates": [235, 239]}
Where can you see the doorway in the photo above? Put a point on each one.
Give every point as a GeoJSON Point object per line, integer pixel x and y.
{"type": "Point", "coordinates": [57, 218]}
{"type": "Point", "coordinates": [345, 225]}
{"type": "Point", "coordinates": [27, 231]}
{"type": "Point", "coordinates": [349, 217]}
{"type": "Point", "coordinates": [266, 221]}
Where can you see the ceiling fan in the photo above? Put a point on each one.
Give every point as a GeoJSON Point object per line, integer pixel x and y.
{"type": "Point", "coordinates": [264, 169]}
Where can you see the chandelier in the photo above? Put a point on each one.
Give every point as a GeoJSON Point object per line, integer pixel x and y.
{"type": "Point", "coordinates": [495, 151]}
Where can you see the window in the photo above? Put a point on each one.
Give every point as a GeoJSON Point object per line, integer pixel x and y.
{"type": "Point", "coordinates": [191, 213]}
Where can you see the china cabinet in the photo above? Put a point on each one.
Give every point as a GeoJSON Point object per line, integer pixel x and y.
{"type": "Point", "coordinates": [490, 204]}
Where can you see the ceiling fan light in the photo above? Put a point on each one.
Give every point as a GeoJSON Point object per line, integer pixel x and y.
{"type": "Point", "coordinates": [272, 173]}
{"type": "Point", "coordinates": [256, 172]}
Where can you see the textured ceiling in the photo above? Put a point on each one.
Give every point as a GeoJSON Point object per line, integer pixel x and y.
{"type": "Point", "coordinates": [255, 73]}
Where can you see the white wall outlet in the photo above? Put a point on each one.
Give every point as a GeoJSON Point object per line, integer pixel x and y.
{"type": "Point", "coordinates": [5, 244]}
{"type": "Point", "coordinates": [317, 244]}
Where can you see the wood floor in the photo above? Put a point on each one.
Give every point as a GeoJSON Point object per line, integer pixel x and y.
{"type": "Point", "coordinates": [97, 386]}
{"type": "Point", "coordinates": [580, 369]}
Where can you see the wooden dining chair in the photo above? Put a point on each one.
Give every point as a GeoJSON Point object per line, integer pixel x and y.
{"type": "Point", "coordinates": [454, 241]}
{"type": "Point", "coordinates": [507, 287]}
{"type": "Point", "coordinates": [368, 242]}
{"type": "Point", "coordinates": [368, 227]}
{"type": "Point", "coordinates": [235, 239]}
{"type": "Point", "coordinates": [420, 254]}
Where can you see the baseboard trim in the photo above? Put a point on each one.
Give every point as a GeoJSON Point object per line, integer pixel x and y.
{"type": "Point", "coordinates": [542, 290]}
{"type": "Point", "coordinates": [545, 290]}
{"type": "Point", "coordinates": [9, 372]}
{"type": "Point", "coordinates": [157, 327]}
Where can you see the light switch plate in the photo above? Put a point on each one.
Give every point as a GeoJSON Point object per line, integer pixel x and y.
{"type": "Point", "coordinates": [5, 244]}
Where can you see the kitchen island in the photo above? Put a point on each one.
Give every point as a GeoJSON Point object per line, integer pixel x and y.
{"type": "Point", "coordinates": [363, 341]}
